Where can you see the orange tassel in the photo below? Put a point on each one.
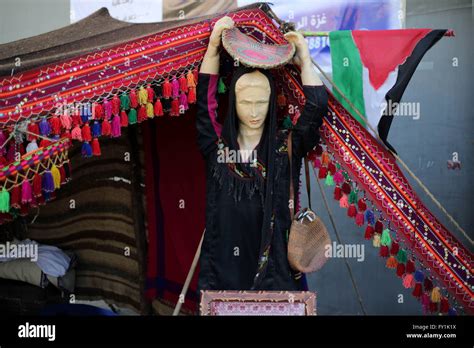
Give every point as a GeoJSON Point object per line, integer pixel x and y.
{"type": "Point", "coordinates": [391, 262]}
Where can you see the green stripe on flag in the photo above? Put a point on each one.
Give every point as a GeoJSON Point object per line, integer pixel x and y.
{"type": "Point", "coordinates": [347, 71]}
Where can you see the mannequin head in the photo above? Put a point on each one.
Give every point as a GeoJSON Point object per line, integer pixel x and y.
{"type": "Point", "coordinates": [252, 96]}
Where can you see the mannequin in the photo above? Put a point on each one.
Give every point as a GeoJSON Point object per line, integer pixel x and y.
{"type": "Point", "coordinates": [247, 204]}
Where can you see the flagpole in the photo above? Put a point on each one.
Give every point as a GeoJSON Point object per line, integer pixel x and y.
{"type": "Point", "coordinates": [448, 33]}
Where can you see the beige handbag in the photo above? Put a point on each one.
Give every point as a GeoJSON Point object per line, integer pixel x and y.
{"type": "Point", "coordinates": [308, 236]}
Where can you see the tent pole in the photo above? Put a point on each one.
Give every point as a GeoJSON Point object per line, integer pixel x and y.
{"type": "Point", "coordinates": [182, 295]}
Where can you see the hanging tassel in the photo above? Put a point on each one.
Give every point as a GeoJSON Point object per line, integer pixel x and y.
{"type": "Point", "coordinates": [394, 248]}
{"type": "Point", "coordinates": [174, 107]}
{"type": "Point", "coordinates": [317, 161]}
{"type": "Point", "coordinates": [183, 84]}
{"type": "Point", "coordinates": [56, 176]}
{"type": "Point", "coordinates": [369, 216]}
{"type": "Point", "coordinates": [15, 197]}
{"type": "Point", "coordinates": [359, 220]}
{"type": "Point", "coordinates": [183, 101]}
{"type": "Point", "coordinates": [376, 240]}
{"type": "Point", "coordinates": [436, 295]}
{"type": "Point", "coordinates": [96, 147]}
{"type": "Point", "coordinates": [96, 129]}
{"type": "Point", "coordinates": [4, 201]}
{"type": "Point", "coordinates": [124, 101]}
{"type": "Point", "coordinates": [47, 182]}
{"type": "Point", "coordinates": [33, 146]}
{"type": "Point", "coordinates": [44, 143]}
{"type": "Point", "coordinates": [192, 95]}
{"type": "Point", "coordinates": [400, 269]}
{"type": "Point", "coordinates": [452, 312]}
{"type": "Point", "coordinates": [433, 307]}
{"type": "Point", "coordinates": [141, 114]}
{"type": "Point", "coordinates": [419, 276]}
{"type": "Point", "coordinates": [287, 124]}
{"type": "Point", "coordinates": [329, 180]}
{"type": "Point", "coordinates": [55, 125]}
{"type": "Point", "coordinates": [417, 290]}
{"type": "Point", "coordinates": [167, 89]}
{"type": "Point", "coordinates": [76, 120]}
{"type": "Point", "coordinates": [444, 306]}
{"type": "Point", "coordinates": [425, 302]}
{"type": "Point", "coordinates": [391, 262]}
{"type": "Point", "coordinates": [98, 111]}
{"type": "Point", "coordinates": [410, 266]}
{"type": "Point", "coordinates": [191, 83]}
{"type": "Point", "coordinates": [361, 205]}
{"type": "Point", "coordinates": [44, 127]}
{"type": "Point", "coordinates": [132, 116]}
{"type": "Point", "coordinates": [318, 150]}
{"type": "Point", "coordinates": [86, 150]}
{"type": "Point", "coordinates": [63, 174]}
{"type": "Point", "coordinates": [338, 177]}
{"type": "Point", "coordinates": [325, 158]}
{"type": "Point", "coordinates": [196, 75]}
{"type": "Point", "coordinates": [86, 132]}
{"type": "Point", "coordinates": [402, 256]}
{"type": "Point", "coordinates": [383, 251]}
{"type": "Point", "coordinates": [123, 119]}
{"type": "Point", "coordinates": [115, 105]}
{"type": "Point", "coordinates": [32, 128]}
{"type": "Point", "coordinates": [116, 130]}
{"type": "Point", "coordinates": [37, 180]}
{"type": "Point", "coordinates": [133, 99]}
{"type": "Point", "coordinates": [353, 197]}
{"type": "Point", "coordinates": [323, 171]}
{"type": "Point", "coordinates": [331, 168]}
{"type": "Point", "coordinates": [142, 96]}
{"type": "Point", "coordinates": [337, 193]}
{"type": "Point", "coordinates": [26, 192]}
{"type": "Point", "coordinates": [76, 133]}
{"type": "Point", "coordinates": [150, 113]}
{"type": "Point", "coordinates": [107, 109]}
{"type": "Point", "coordinates": [369, 232]}
{"type": "Point", "coordinates": [378, 226]}
{"type": "Point", "coordinates": [352, 211]}
{"type": "Point", "coordinates": [174, 88]}
{"type": "Point", "coordinates": [281, 100]}
{"type": "Point", "coordinates": [150, 93]}
{"type": "Point", "coordinates": [221, 87]}
{"type": "Point", "coordinates": [343, 202]}
{"type": "Point", "coordinates": [106, 128]}
{"type": "Point", "coordinates": [408, 281]}
{"type": "Point", "coordinates": [346, 188]}
{"type": "Point", "coordinates": [66, 121]}
{"type": "Point", "coordinates": [427, 284]}
{"type": "Point", "coordinates": [158, 108]}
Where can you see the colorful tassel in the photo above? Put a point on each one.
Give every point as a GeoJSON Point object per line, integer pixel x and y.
{"type": "Point", "coordinates": [444, 306]}
{"type": "Point", "coordinates": [132, 116]}
{"type": "Point", "coordinates": [63, 175]}
{"type": "Point", "coordinates": [361, 205]}
{"type": "Point", "coordinates": [106, 128]}
{"type": "Point", "coordinates": [44, 127]}
{"type": "Point", "coordinates": [436, 295]}
{"type": "Point", "coordinates": [183, 101]}
{"type": "Point", "coordinates": [192, 95]}
{"type": "Point", "coordinates": [183, 84]}
{"type": "Point", "coordinates": [66, 121]}
{"type": "Point", "coordinates": [150, 113]}
{"type": "Point", "coordinates": [15, 197]}
{"type": "Point", "coordinates": [427, 284]}
{"type": "Point", "coordinates": [77, 133]}
{"type": "Point", "coordinates": [115, 105]}
{"type": "Point", "coordinates": [386, 239]}
{"type": "Point", "coordinates": [107, 109]}
{"type": "Point", "coordinates": [400, 269]}
{"type": "Point", "coordinates": [96, 147]}
{"type": "Point", "coordinates": [329, 180]}
{"type": "Point", "coordinates": [317, 161]}
{"type": "Point", "coordinates": [98, 111]}
{"type": "Point", "coordinates": [56, 176]}
{"type": "Point", "coordinates": [325, 158]}
{"type": "Point", "coordinates": [383, 252]}
{"type": "Point", "coordinates": [331, 168]}
{"type": "Point", "coordinates": [158, 108]}
{"type": "Point", "coordinates": [369, 216]}
{"type": "Point", "coordinates": [96, 129]}
{"type": "Point", "coordinates": [150, 93]}
{"type": "Point", "coordinates": [346, 188]}
{"type": "Point", "coordinates": [391, 262]}
{"type": "Point", "coordinates": [123, 118]}
{"type": "Point", "coordinates": [408, 281]}
{"type": "Point", "coordinates": [402, 256]}
{"type": "Point", "coordinates": [410, 266]}
{"type": "Point", "coordinates": [86, 150]}
{"type": "Point", "coordinates": [174, 107]}
{"type": "Point", "coordinates": [221, 87]}
{"type": "Point", "coordinates": [196, 75]}
{"type": "Point", "coordinates": [174, 88]}
{"type": "Point", "coordinates": [394, 248]}
{"type": "Point", "coordinates": [369, 232]}
{"type": "Point", "coordinates": [142, 96]}
{"type": "Point", "coordinates": [26, 192]}
{"type": "Point", "coordinates": [376, 240]}
{"type": "Point", "coordinates": [47, 182]}
{"type": "Point", "coordinates": [338, 177]}
{"type": "Point", "coordinates": [116, 127]}
{"type": "Point", "coordinates": [37, 185]}
{"type": "Point", "coordinates": [141, 114]}
{"type": "Point", "coordinates": [55, 125]}
{"type": "Point", "coordinates": [133, 99]}
{"type": "Point", "coordinates": [191, 83]}
{"type": "Point", "coordinates": [4, 201]}
{"type": "Point", "coordinates": [352, 211]}
{"type": "Point", "coordinates": [343, 202]}
{"type": "Point", "coordinates": [33, 146]}
{"type": "Point", "coordinates": [419, 276]}
{"type": "Point", "coordinates": [124, 101]}
{"type": "Point", "coordinates": [417, 290]}
{"type": "Point", "coordinates": [337, 193]}
{"type": "Point", "coordinates": [86, 132]}
{"type": "Point", "coordinates": [323, 171]}
{"type": "Point", "coordinates": [32, 128]}
{"type": "Point", "coordinates": [359, 220]}
{"type": "Point", "coordinates": [167, 89]}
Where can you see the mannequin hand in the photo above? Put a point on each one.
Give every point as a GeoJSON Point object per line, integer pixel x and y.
{"type": "Point", "coordinates": [302, 56]}
{"type": "Point", "coordinates": [224, 23]}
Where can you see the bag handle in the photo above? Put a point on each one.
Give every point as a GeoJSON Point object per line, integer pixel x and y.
{"type": "Point", "coordinates": [306, 170]}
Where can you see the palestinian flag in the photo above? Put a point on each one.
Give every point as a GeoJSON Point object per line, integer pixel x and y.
{"type": "Point", "coordinates": [373, 68]}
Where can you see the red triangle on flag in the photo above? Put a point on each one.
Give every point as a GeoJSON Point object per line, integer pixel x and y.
{"type": "Point", "coordinates": [381, 51]}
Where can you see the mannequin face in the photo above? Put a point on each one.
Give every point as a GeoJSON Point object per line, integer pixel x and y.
{"type": "Point", "coordinates": [252, 94]}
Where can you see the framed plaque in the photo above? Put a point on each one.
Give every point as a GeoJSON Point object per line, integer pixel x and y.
{"type": "Point", "coordinates": [281, 303]}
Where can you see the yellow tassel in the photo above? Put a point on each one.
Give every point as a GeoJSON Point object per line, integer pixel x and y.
{"type": "Point", "coordinates": [190, 79]}
{"type": "Point", "coordinates": [376, 240]}
{"type": "Point", "coordinates": [142, 96]}
{"type": "Point", "coordinates": [435, 295]}
{"type": "Point", "coordinates": [325, 159]}
{"type": "Point", "coordinates": [150, 112]}
{"type": "Point", "coordinates": [391, 262]}
{"type": "Point", "coordinates": [56, 176]}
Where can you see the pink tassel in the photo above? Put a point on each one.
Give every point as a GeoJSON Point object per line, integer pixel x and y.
{"type": "Point", "coordinates": [26, 192]}
{"type": "Point", "coordinates": [76, 133]}
{"type": "Point", "coordinates": [66, 121]}
{"type": "Point", "coordinates": [116, 127]}
{"type": "Point", "coordinates": [359, 220]}
{"type": "Point", "coordinates": [107, 109]}
{"type": "Point", "coordinates": [115, 105]}
{"type": "Point", "coordinates": [408, 281]}
{"type": "Point", "coordinates": [344, 201]}
{"type": "Point", "coordinates": [175, 88]}
{"type": "Point", "coordinates": [338, 177]}
{"type": "Point", "coordinates": [183, 101]}
{"type": "Point", "coordinates": [317, 163]}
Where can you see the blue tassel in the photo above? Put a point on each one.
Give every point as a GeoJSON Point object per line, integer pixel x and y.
{"type": "Point", "coordinates": [86, 112]}
{"type": "Point", "coordinates": [369, 216]}
{"type": "Point", "coordinates": [47, 182]}
{"type": "Point", "coordinates": [96, 130]}
{"type": "Point", "coordinates": [419, 276]}
{"type": "Point", "coordinates": [44, 127]}
{"type": "Point", "coordinates": [46, 196]}
{"type": "Point", "coordinates": [86, 150]}
{"type": "Point", "coordinates": [452, 312]}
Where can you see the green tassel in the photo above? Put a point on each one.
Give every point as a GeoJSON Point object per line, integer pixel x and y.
{"type": "Point", "coordinates": [386, 240]}
{"type": "Point", "coordinates": [124, 101]}
{"type": "Point", "coordinates": [132, 116]}
{"type": "Point", "coordinates": [287, 124]}
{"type": "Point", "coordinates": [346, 176]}
{"type": "Point", "coordinates": [221, 88]}
{"type": "Point", "coordinates": [338, 166]}
{"type": "Point", "coordinates": [402, 256]}
{"type": "Point", "coordinates": [353, 197]}
{"type": "Point", "coordinates": [4, 201]}
{"type": "Point", "coordinates": [329, 180]}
